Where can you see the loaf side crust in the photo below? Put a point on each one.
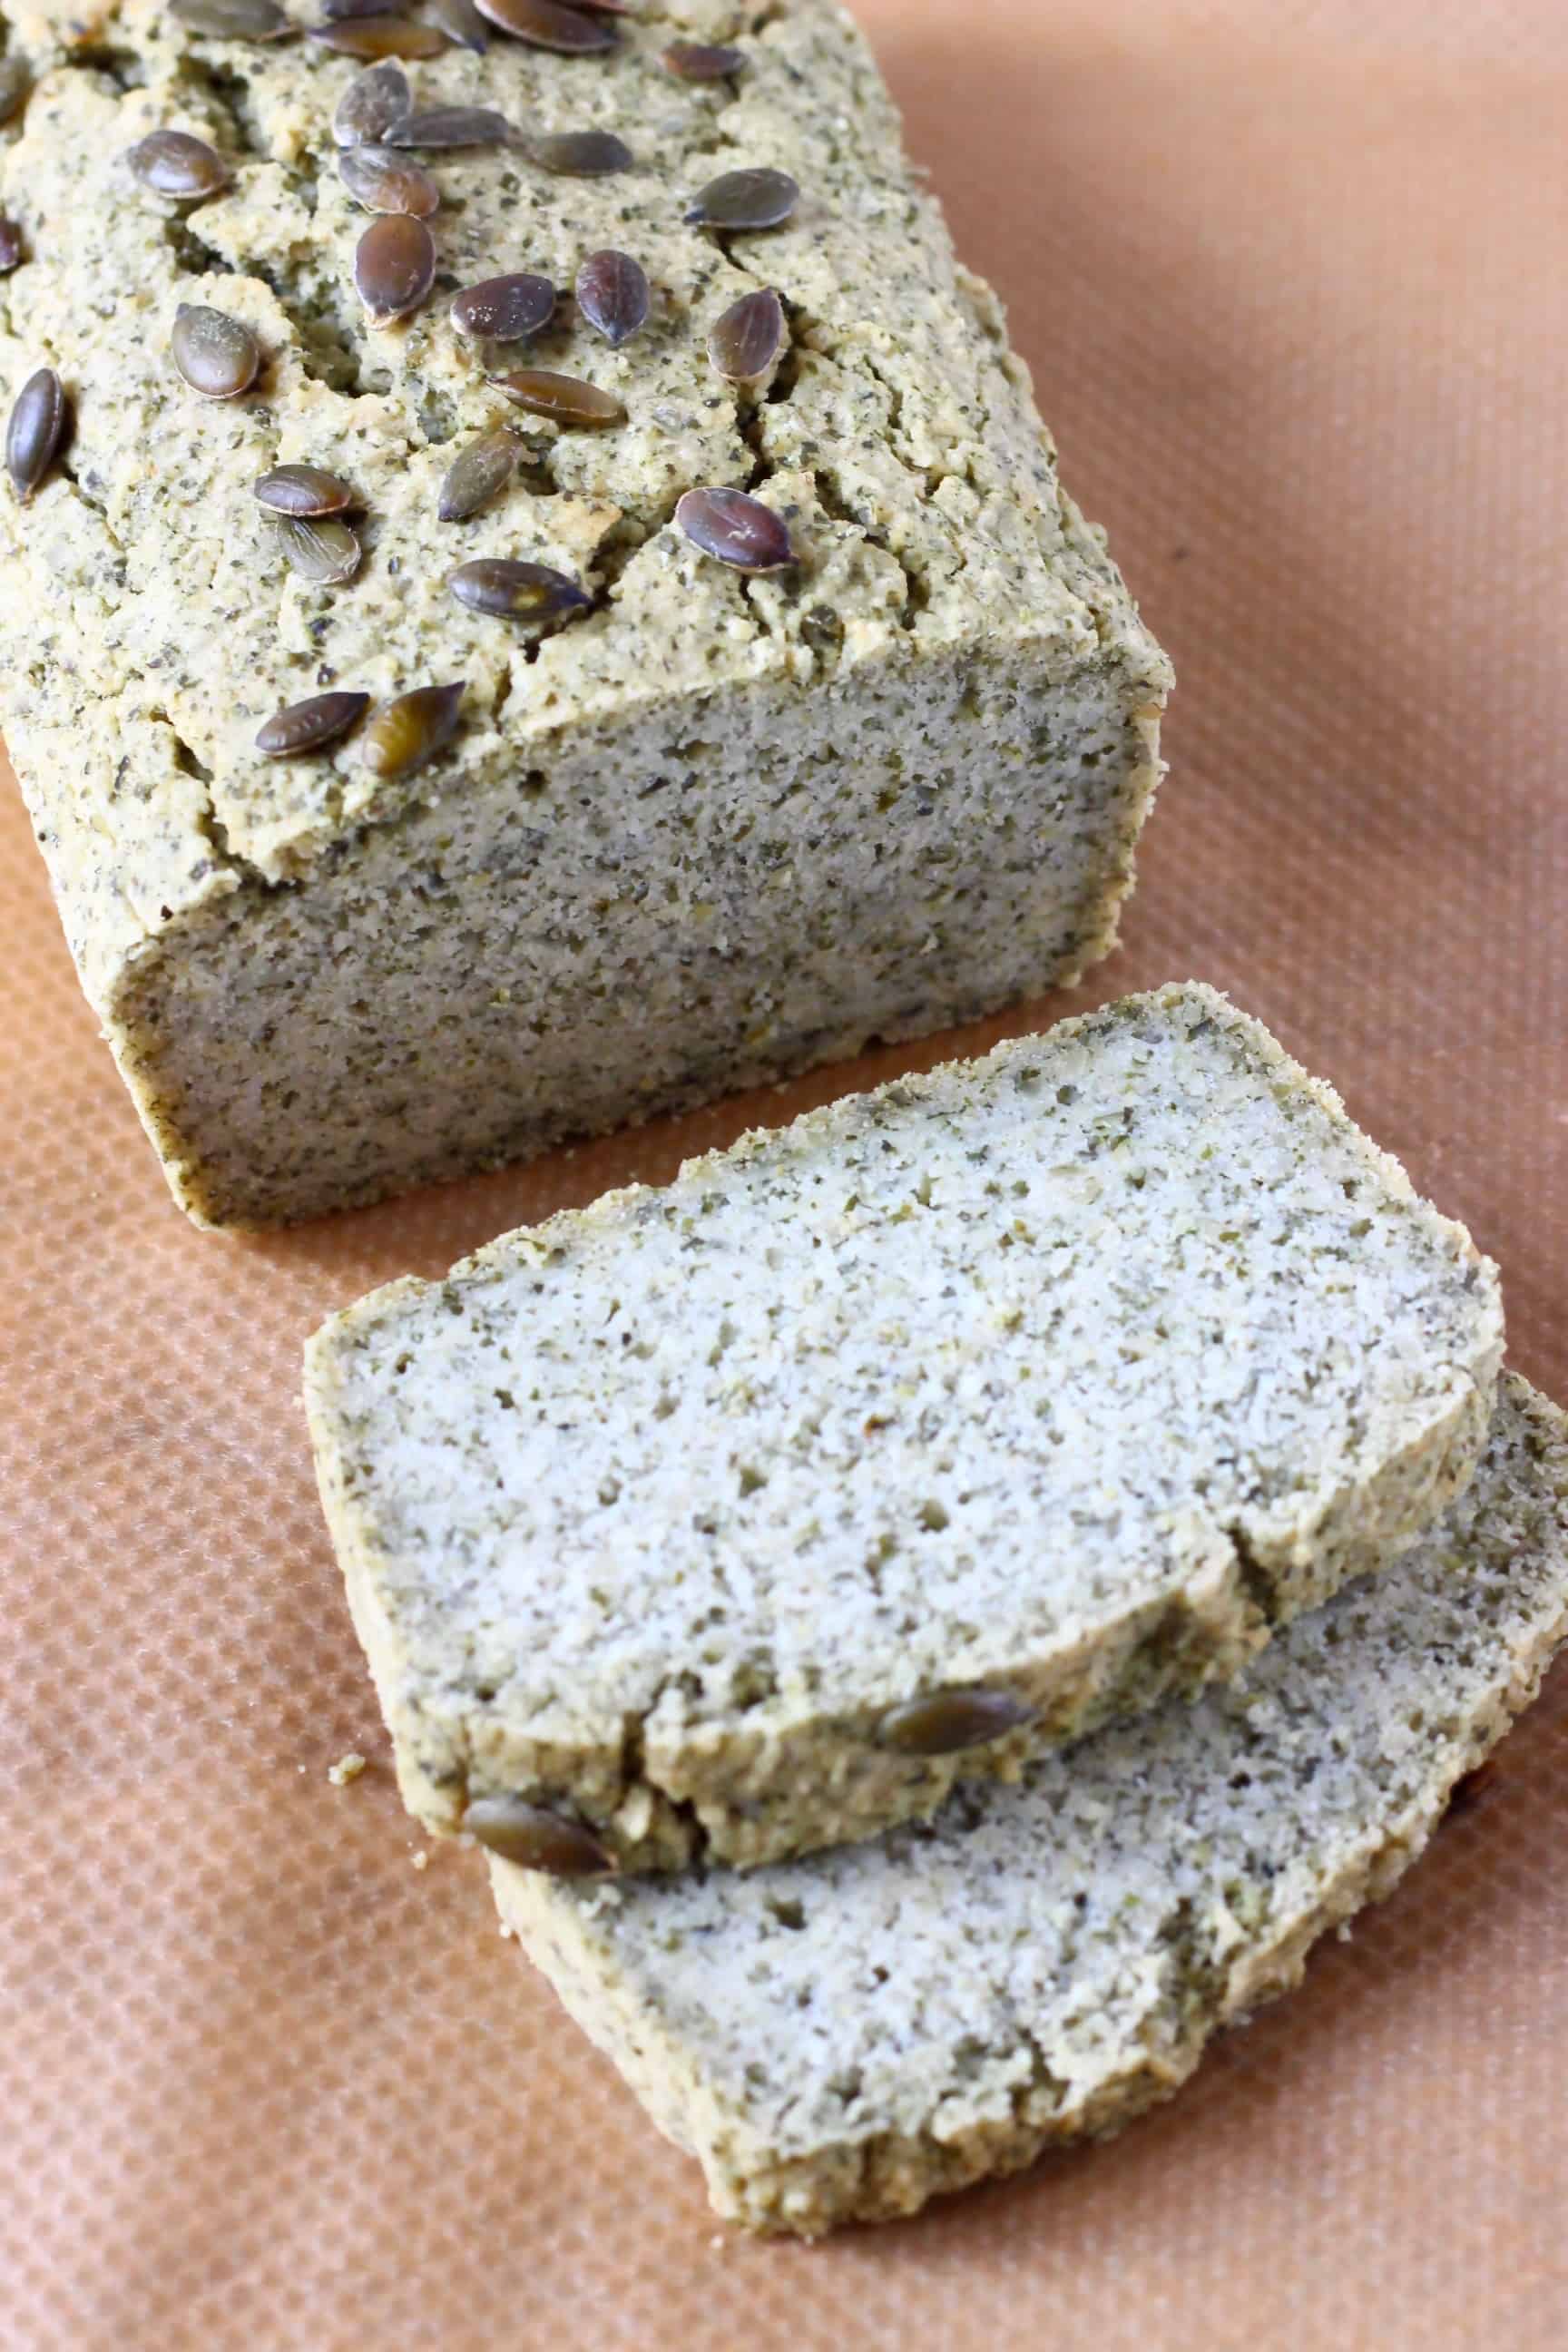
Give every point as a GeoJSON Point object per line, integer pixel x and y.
{"type": "Point", "coordinates": [842, 2039]}
{"type": "Point", "coordinates": [513, 1504]}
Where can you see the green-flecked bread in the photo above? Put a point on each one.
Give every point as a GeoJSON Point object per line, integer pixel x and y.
{"type": "Point", "coordinates": [841, 2038]}
{"type": "Point", "coordinates": [747, 1515]}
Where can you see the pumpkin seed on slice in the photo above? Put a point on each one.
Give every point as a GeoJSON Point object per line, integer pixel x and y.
{"type": "Point", "coordinates": [36, 432]}
{"type": "Point", "coordinates": [382, 180]}
{"type": "Point", "coordinates": [477, 473]}
{"type": "Point", "coordinates": [394, 266]}
{"type": "Point", "coordinates": [304, 491]}
{"type": "Point", "coordinates": [565, 399]}
{"type": "Point", "coordinates": [174, 164]}
{"type": "Point", "coordinates": [462, 23]}
{"type": "Point", "coordinates": [452, 126]}
{"type": "Point", "coordinates": [504, 309]}
{"type": "Point", "coordinates": [10, 245]}
{"type": "Point", "coordinates": [614, 295]}
{"type": "Point", "coordinates": [378, 38]}
{"type": "Point", "coordinates": [326, 553]}
{"type": "Point", "coordinates": [373, 106]}
{"type": "Point", "coordinates": [951, 1720]}
{"type": "Point", "coordinates": [517, 591]}
{"type": "Point", "coordinates": [580, 154]}
{"type": "Point", "coordinates": [411, 729]}
{"type": "Point", "coordinates": [735, 528]}
{"type": "Point", "coordinates": [233, 20]}
{"type": "Point", "coordinates": [15, 82]}
{"type": "Point", "coordinates": [546, 24]}
{"type": "Point", "coordinates": [312, 725]}
{"type": "Point", "coordinates": [534, 1839]}
{"type": "Point", "coordinates": [334, 11]}
{"type": "Point", "coordinates": [606, 7]}
{"type": "Point", "coordinates": [701, 61]}
{"type": "Point", "coordinates": [218, 356]}
{"type": "Point", "coordinates": [751, 337]}
{"type": "Point", "coordinates": [745, 200]}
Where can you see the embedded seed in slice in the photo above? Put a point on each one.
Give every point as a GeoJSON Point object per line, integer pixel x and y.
{"type": "Point", "coordinates": [504, 309]}
{"type": "Point", "coordinates": [375, 37]}
{"type": "Point", "coordinates": [310, 726]}
{"type": "Point", "coordinates": [382, 180]}
{"type": "Point", "coordinates": [372, 105]}
{"type": "Point", "coordinates": [326, 553]}
{"type": "Point", "coordinates": [15, 82]}
{"type": "Point", "coordinates": [452, 126]}
{"type": "Point", "coordinates": [218, 356]}
{"type": "Point", "coordinates": [36, 429]}
{"type": "Point", "coordinates": [735, 528]}
{"type": "Point", "coordinates": [580, 154]}
{"type": "Point", "coordinates": [749, 341]}
{"type": "Point", "coordinates": [953, 1719]}
{"type": "Point", "coordinates": [613, 295]}
{"type": "Point", "coordinates": [535, 1838]}
{"type": "Point", "coordinates": [304, 491]}
{"type": "Point", "coordinates": [745, 200]}
{"type": "Point", "coordinates": [462, 23]}
{"type": "Point", "coordinates": [517, 591]}
{"type": "Point", "coordinates": [546, 24]}
{"type": "Point", "coordinates": [407, 731]}
{"type": "Point", "coordinates": [477, 473]}
{"type": "Point", "coordinates": [701, 61]}
{"type": "Point", "coordinates": [10, 245]}
{"type": "Point", "coordinates": [394, 267]}
{"type": "Point", "coordinates": [566, 399]}
{"type": "Point", "coordinates": [173, 165]}
{"type": "Point", "coordinates": [233, 20]}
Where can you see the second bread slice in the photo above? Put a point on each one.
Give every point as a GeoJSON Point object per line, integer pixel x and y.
{"type": "Point", "coordinates": [747, 1515]}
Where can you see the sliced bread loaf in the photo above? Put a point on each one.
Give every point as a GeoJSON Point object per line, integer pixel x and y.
{"type": "Point", "coordinates": [841, 2039]}
{"type": "Point", "coordinates": [749, 1514]}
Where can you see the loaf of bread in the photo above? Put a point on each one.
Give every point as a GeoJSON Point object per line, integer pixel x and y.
{"type": "Point", "coordinates": [746, 1514]}
{"type": "Point", "coordinates": [729, 788]}
{"type": "Point", "coordinates": [840, 2039]}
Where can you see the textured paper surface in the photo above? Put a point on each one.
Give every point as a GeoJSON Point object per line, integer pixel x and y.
{"type": "Point", "coordinates": [1292, 279]}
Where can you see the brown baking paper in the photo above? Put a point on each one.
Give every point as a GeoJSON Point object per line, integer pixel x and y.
{"type": "Point", "coordinates": [1294, 282]}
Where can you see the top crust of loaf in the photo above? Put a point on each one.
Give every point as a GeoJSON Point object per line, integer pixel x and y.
{"type": "Point", "coordinates": [842, 2038]}
{"type": "Point", "coordinates": [1067, 1373]}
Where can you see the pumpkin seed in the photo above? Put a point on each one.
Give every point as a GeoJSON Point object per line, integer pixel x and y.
{"type": "Point", "coordinates": [376, 38]}
{"type": "Point", "coordinates": [749, 341]}
{"type": "Point", "coordinates": [566, 399]}
{"type": "Point", "coordinates": [326, 553]}
{"type": "Point", "coordinates": [10, 245]}
{"type": "Point", "coordinates": [382, 180]}
{"type": "Point", "coordinates": [701, 61]}
{"type": "Point", "coordinates": [735, 528]}
{"type": "Point", "coordinates": [233, 20]}
{"type": "Point", "coordinates": [462, 23]}
{"type": "Point", "coordinates": [536, 1839]}
{"type": "Point", "coordinates": [504, 309]}
{"type": "Point", "coordinates": [953, 1719]}
{"type": "Point", "coordinates": [218, 356]}
{"type": "Point", "coordinates": [546, 24]}
{"type": "Point", "coordinates": [452, 126]}
{"type": "Point", "coordinates": [745, 200]}
{"type": "Point", "coordinates": [410, 729]}
{"type": "Point", "coordinates": [580, 154]}
{"type": "Point", "coordinates": [36, 432]}
{"type": "Point", "coordinates": [310, 726]}
{"type": "Point", "coordinates": [373, 106]}
{"type": "Point", "coordinates": [173, 165]}
{"type": "Point", "coordinates": [394, 266]}
{"type": "Point", "coordinates": [15, 82]}
{"type": "Point", "coordinates": [477, 473]}
{"type": "Point", "coordinates": [517, 591]}
{"type": "Point", "coordinates": [304, 491]}
{"type": "Point", "coordinates": [335, 11]}
{"type": "Point", "coordinates": [606, 7]}
{"type": "Point", "coordinates": [614, 296]}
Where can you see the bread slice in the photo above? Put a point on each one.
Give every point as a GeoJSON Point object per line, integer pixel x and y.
{"type": "Point", "coordinates": [842, 2038]}
{"type": "Point", "coordinates": [750, 1513]}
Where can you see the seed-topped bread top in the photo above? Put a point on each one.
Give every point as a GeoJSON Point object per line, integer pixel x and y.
{"type": "Point", "coordinates": [843, 2037]}
{"type": "Point", "coordinates": [924, 1433]}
